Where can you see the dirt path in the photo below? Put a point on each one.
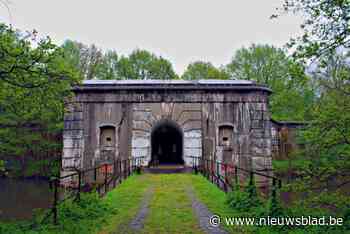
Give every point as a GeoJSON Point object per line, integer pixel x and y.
{"type": "Point", "coordinates": [138, 222]}
{"type": "Point", "coordinates": [203, 215]}
{"type": "Point", "coordinates": [167, 205]}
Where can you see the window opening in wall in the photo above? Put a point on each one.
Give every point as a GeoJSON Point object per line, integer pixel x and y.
{"type": "Point", "coordinates": [107, 137]}
{"type": "Point", "coordinates": [225, 135]}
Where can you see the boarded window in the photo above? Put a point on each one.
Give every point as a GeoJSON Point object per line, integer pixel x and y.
{"type": "Point", "coordinates": [225, 135]}
{"type": "Point", "coordinates": [107, 137]}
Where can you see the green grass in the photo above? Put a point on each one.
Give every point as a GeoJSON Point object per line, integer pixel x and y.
{"type": "Point", "coordinates": [171, 208]}
{"type": "Point", "coordinates": [215, 200]}
{"type": "Point", "coordinates": [126, 200]}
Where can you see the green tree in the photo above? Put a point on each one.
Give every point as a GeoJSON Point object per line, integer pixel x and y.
{"type": "Point", "coordinates": [327, 137]}
{"type": "Point", "coordinates": [203, 70]}
{"type": "Point", "coordinates": [86, 59]}
{"type": "Point", "coordinates": [325, 26]}
{"type": "Point", "coordinates": [92, 63]}
{"type": "Point", "coordinates": [143, 65]}
{"type": "Point", "coordinates": [268, 65]}
{"type": "Point", "coordinates": [34, 80]}
{"type": "Point", "coordinates": [325, 41]}
{"type": "Point", "coordinates": [107, 69]}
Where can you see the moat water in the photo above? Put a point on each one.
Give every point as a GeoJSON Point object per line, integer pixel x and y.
{"type": "Point", "coordinates": [20, 197]}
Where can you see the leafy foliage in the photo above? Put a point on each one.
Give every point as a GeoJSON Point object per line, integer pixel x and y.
{"type": "Point", "coordinates": [244, 200]}
{"type": "Point", "coordinates": [2, 165]}
{"type": "Point", "coordinates": [34, 81]}
{"type": "Point", "coordinates": [85, 216]}
{"type": "Point", "coordinates": [292, 95]}
{"type": "Point", "coordinates": [327, 137]}
{"type": "Point", "coordinates": [203, 70]}
{"type": "Point", "coordinates": [142, 65]}
{"type": "Point", "coordinates": [85, 59]}
{"type": "Point", "coordinates": [274, 207]}
{"type": "Point", "coordinates": [92, 63]}
{"type": "Point", "coordinates": [325, 26]}
{"type": "Point", "coordinates": [325, 42]}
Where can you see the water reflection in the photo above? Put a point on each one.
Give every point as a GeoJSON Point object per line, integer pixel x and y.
{"type": "Point", "coordinates": [19, 197]}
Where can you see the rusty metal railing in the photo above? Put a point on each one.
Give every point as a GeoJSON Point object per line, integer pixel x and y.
{"type": "Point", "coordinates": [227, 175]}
{"type": "Point", "coordinates": [101, 178]}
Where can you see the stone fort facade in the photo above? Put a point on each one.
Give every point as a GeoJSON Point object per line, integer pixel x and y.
{"type": "Point", "coordinates": [168, 121]}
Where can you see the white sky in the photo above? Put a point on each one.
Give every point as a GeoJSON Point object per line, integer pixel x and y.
{"type": "Point", "coordinates": [182, 31]}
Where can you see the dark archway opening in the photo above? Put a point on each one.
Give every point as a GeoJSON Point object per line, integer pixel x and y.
{"type": "Point", "coordinates": [167, 144]}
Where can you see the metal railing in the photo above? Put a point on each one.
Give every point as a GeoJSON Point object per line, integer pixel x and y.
{"type": "Point", "coordinates": [101, 178]}
{"type": "Point", "coordinates": [227, 175]}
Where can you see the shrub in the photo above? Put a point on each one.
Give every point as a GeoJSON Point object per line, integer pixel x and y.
{"type": "Point", "coordinates": [244, 200]}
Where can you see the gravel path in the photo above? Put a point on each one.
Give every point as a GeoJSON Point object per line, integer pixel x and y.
{"type": "Point", "coordinates": [138, 222]}
{"type": "Point", "coordinates": [203, 215]}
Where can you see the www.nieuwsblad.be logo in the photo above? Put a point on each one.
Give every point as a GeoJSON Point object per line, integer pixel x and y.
{"type": "Point", "coordinates": [215, 221]}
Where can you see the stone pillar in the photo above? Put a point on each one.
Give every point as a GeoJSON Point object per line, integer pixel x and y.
{"type": "Point", "coordinates": [73, 141]}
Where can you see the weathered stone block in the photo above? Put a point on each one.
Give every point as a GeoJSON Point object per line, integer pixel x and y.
{"type": "Point", "coordinates": [191, 125]}
{"type": "Point", "coordinates": [139, 152]}
{"type": "Point", "coordinates": [71, 163]}
{"type": "Point", "coordinates": [73, 134]}
{"type": "Point", "coordinates": [72, 152]}
{"type": "Point", "coordinates": [261, 163]}
{"type": "Point", "coordinates": [195, 152]}
{"type": "Point", "coordinates": [193, 134]}
{"type": "Point", "coordinates": [73, 125]}
{"type": "Point", "coordinates": [193, 142]}
{"type": "Point", "coordinates": [140, 142]}
{"type": "Point", "coordinates": [73, 143]}
{"type": "Point", "coordinates": [73, 116]}
{"type": "Point", "coordinates": [144, 125]}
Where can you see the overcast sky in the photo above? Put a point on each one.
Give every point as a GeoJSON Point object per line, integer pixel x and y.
{"type": "Point", "coordinates": [182, 31]}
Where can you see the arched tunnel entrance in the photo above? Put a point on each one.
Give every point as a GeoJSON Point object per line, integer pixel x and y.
{"type": "Point", "coordinates": [167, 143]}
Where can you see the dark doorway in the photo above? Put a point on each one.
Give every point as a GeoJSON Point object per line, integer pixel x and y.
{"type": "Point", "coordinates": [167, 144]}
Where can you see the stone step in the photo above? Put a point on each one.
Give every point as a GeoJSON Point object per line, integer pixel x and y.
{"type": "Point", "coordinates": [168, 169]}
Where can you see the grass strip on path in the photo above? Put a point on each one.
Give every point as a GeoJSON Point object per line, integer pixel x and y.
{"type": "Point", "coordinates": [215, 199]}
{"type": "Point", "coordinates": [126, 199]}
{"type": "Point", "coordinates": [170, 209]}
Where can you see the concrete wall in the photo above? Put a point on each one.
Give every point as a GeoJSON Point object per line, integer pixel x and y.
{"type": "Point", "coordinates": [199, 114]}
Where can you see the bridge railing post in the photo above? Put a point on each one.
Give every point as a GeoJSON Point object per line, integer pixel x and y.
{"type": "Point", "coordinates": [55, 201]}
{"type": "Point", "coordinates": [105, 182]}
{"type": "Point", "coordinates": [273, 194]}
{"type": "Point", "coordinates": [114, 177]}
{"type": "Point", "coordinates": [236, 176]}
{"type": "Point", "coordinates": [79, 185]}
{"type": "Point", "coordinates": [225, 177]}
{"type": "Point", "coordinates": [218, 173]}
{"type": "Point", "coordinates": [124, 169]}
